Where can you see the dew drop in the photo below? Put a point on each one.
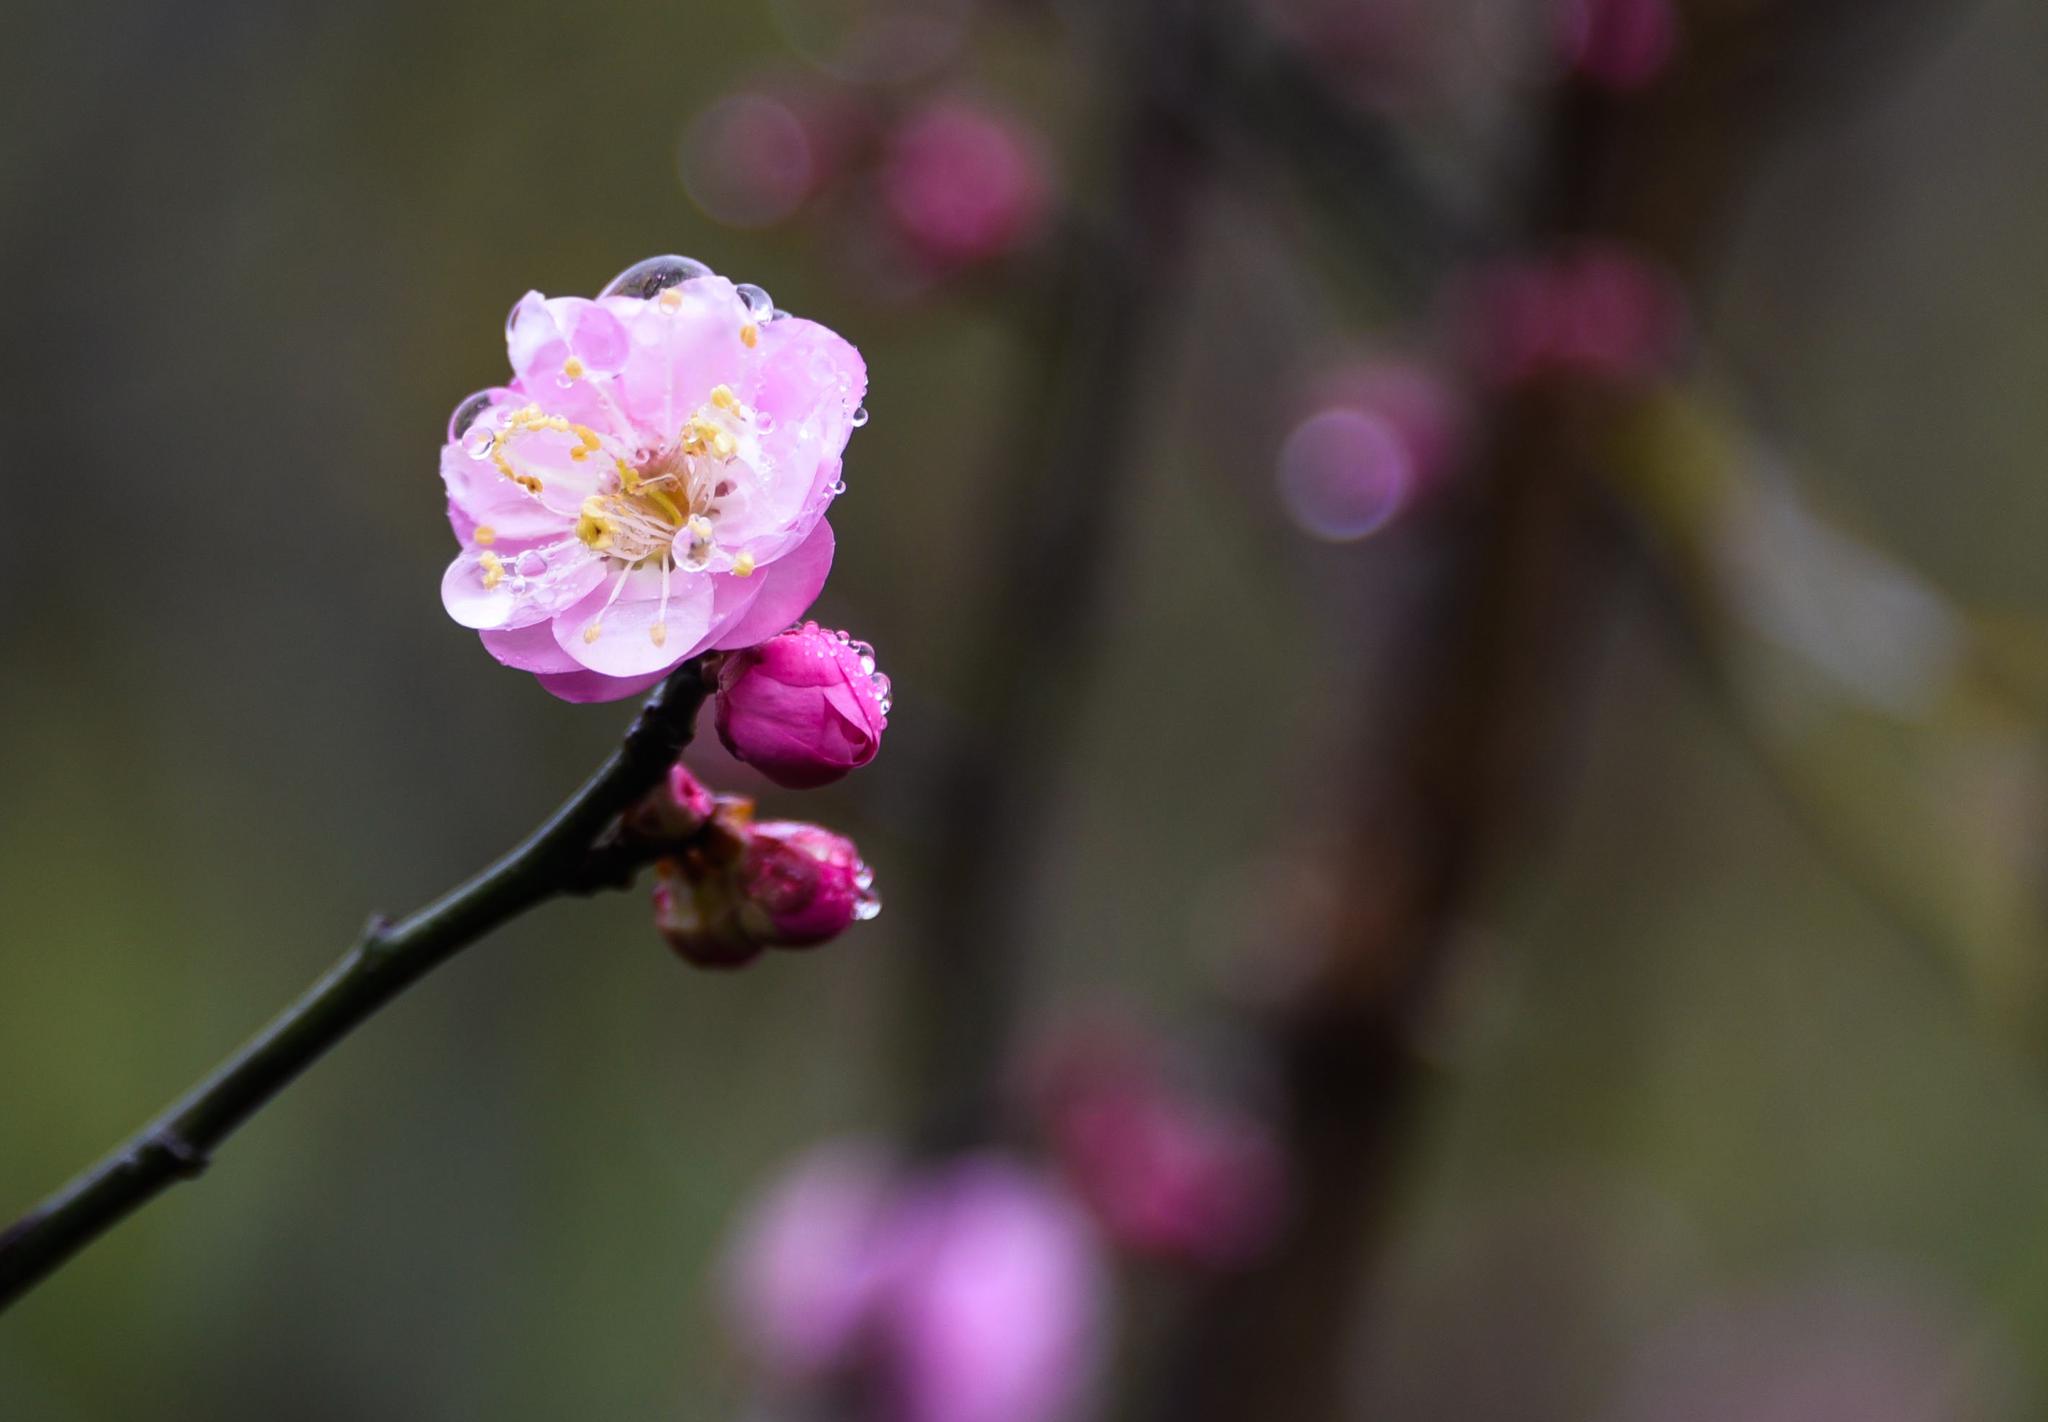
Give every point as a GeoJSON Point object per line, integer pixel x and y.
{"type": "Point", "coordinates": [759, 304]}
{"type": "Point", "coordinates": [653, 275]}
{"type": "Point", "coordinates": [470, 411]}
{"type": "Point", "coordinates": [838, 487]}
{"type": "Point", "coordinates": [531, 564]}
{"type": "Point", "coordinates": [860, 416]}
{"type": "Point", "coordinates": [868, 904]}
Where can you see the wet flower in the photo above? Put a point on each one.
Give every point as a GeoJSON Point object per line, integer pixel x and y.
{"type": "Point", "coordinates": [804, 707]}
{"type": "Point", "coordinates": [653, 482]}
{"type": "Point", "coordinates": [962, 184]}
{"type": "Point", "coordinates": [740, 887]}
{"type": "Point", "coordinates": [971, 1292]}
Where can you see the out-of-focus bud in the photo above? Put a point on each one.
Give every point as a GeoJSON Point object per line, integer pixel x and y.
{"type": "Point", "coordinates": [1168, 1176]}
{"type": "Point", "coordinates": [1596, 310]}
{"type": "Point", "coordinates": [804, 707]}
{"type": "Point", "coordinates": [1618, 44]}
{"type": "Point", "coordinates": [970, 1293]}
{"type": "Point", "coordinates": [962, 184]}
{"type": "Point", "coordinates": [739, 888]}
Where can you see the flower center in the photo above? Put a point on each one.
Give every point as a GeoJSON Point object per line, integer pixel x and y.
{"type": "Point", "coordinates": [674, 489]}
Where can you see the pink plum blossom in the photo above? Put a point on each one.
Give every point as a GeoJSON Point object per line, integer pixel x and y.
{"type": "Point", "coordinates": [652, 483]}
{"type": "Point", "coordinates": [969, 1292]}
{"type": "Point", "coordinates": [804, 707]}
{"type": "Point", "coordinates": [962, 184]}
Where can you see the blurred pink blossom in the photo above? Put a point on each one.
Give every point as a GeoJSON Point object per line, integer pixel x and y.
{"type": "Point", "coordinates": [970, 1292]}
{"type": "Point", "coordinates": [1595, 310]}
{"type": "Point", "coordinates": [1618, 44]}
{"type": "Point", "coordinates": [962, 184]}
{"type": "Point", "coordinates": [804, 707]}
{"type": "Point", "coordinates": [653, 482]}
{"type": "Point", "coordinates": [1167, 1175]}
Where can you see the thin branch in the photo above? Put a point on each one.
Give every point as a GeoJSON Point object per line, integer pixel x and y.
{"type": "Point", "coordinates": [389, 958]}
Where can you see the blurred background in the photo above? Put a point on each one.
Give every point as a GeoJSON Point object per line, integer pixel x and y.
{"type": "Point", "coordinates": [1464, 817]}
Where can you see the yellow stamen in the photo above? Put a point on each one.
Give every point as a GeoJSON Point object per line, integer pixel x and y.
{"type": "Point", "coordinates": [724, 399]}
{"type": "Point", "coordinates": [658, 634]}
{"type": "Point", "coordinates": [494, 570]}
{"type": "Point", "coordinates": [743, 566]}
{"type": "Point", "coordinates": [671, 301]}
{"type": "Point", "coordinates": [590, 633]}
{"type": "Point", "coordinates": [573, 368]}
{"type": "Point", "coordinates": [486, 535]}
{"type": "Point", "coordinates": [749, 335]}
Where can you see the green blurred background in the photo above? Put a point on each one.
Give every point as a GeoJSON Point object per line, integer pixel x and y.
{"type": "Point", "coordinates": [253, 255]}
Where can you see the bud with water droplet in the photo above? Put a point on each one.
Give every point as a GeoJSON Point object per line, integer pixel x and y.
{"type": "Point", "coordinates": [804, 707]}
{"type": "Point", "coordinates": [742, 888]}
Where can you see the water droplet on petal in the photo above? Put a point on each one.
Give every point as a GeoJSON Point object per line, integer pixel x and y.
{"type": "Point", "coordinates": [860, 416]}
{"type": "Point", "coordinates": [758, 301]}
{"type": "Point", "coordinates": [838, 487]}
{"type": "Point", "coordinates": [654, 275]}
{"type": "Point", "coordinates": [471, 409]}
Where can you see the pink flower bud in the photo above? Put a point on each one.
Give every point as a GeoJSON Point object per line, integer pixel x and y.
{"type": "Point", "coordinates": [740, 888]}
{"type": "Point", "coordinates": [800, 885]}
{"type": "Point", "coordinates": [804, 707]}
{"type": "Point", "coordinates": [675, 811]}
{"type": "Point", "coordinates": [963, 185]}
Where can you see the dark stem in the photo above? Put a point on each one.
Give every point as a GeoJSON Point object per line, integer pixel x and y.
{"type": "Point", "coordinates": [389, 958]}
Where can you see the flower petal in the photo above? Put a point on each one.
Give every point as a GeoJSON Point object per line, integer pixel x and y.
{"type": "Point", "coordinates": [788, 587]}
{"type": "Point", "coordinates": [624, 644]}
{"type": "Point", "coordinates": [583, 687]}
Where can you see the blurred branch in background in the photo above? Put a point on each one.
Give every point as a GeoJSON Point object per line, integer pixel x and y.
{"type": "Point", "coordinates": [1095, 316]}
{"type": "Point", "coordinates": [1491, 652]}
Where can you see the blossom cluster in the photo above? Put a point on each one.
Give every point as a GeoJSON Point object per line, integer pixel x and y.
{"type": "Point", "coordinates": [651, 486]}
